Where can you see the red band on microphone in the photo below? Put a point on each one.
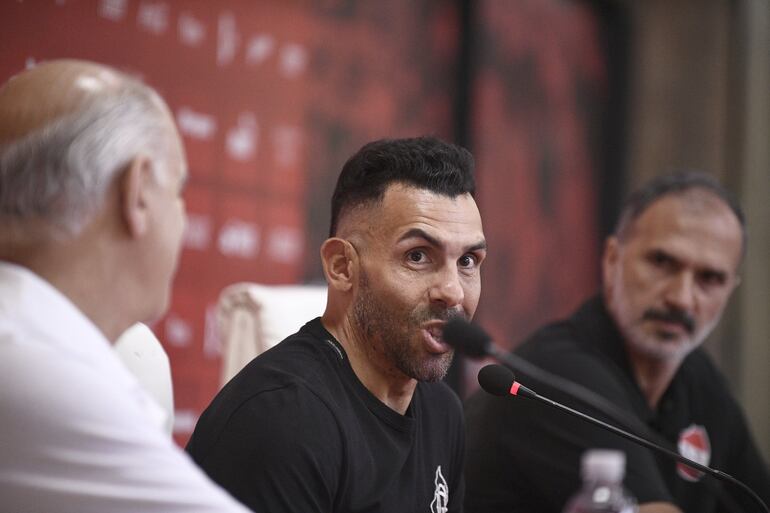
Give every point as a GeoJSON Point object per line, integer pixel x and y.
{"type": "Point", "coordinates": [515, 388]}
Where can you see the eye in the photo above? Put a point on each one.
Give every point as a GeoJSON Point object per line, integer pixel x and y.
{"type": "Point", "coordinates": [661, 260]}
{"type": "Point", "coordinates": [468, 261]}
{"type": "Point", "coordinates": [416, 256]}
{"type": "Point", "coordinates": [711, 278]}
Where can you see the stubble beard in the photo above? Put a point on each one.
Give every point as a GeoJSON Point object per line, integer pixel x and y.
{"type": "Point", "coordinates": [394, 334]}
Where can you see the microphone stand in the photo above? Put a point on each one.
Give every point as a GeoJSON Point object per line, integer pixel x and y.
{"type": "Point", "coordinates": [473, 341]}
{"type": "Point", "coordinates": [526, 392]}
{"type": "Point", "coordinates": [499, 380]}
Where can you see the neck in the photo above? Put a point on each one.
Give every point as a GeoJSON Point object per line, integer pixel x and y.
{"type": "Point", "coordinates": [85, 282]}
{"type": "Point", "coordinates": [653, 375]}
{"type": "Point", "coordinates": [388, 384]}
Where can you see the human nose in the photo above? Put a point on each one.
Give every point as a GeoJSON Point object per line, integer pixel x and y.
{"type": "Point", "coordinates": [448, 289]}
{"type": "Point", "coordinates": [680, 293]}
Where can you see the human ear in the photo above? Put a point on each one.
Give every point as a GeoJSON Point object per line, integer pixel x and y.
{"type": "Point", "coordinates": [610, 258]}
{"type": "Point", "coordinates": [340, 262]}
{"type": "Point", "coordinates": [134, 191]}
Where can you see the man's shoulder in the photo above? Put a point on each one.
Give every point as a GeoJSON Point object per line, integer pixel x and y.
{"type": "Point", "coordinates": [305, 360]}
{"type": "Point", "coordinates": [570, 349]}
{"type": "Point", "coordinates": [699, 361]}
{"type": "Point", "coordinates": [552, 336]}
{"type": "Point", "coordinates": [557, 347]}
{"type": "Point", "coordinates": [293, 380]}
{"type": "Point", "coordinates": [584, 342]}
{"type": "Point", "coordinates": [699, 373]}
{"type": "Point", "coordinates": [295, 351]}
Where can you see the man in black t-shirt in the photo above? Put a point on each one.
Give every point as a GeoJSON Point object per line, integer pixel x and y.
{"type": "Point", "coordinates": [349, 414]}
{"type": "Point", "coordinates": [667, 272]}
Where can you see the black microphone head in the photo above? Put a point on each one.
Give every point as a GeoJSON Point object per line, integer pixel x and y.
{"type": "Point", "coordinates": [496, 379]}
{"type": "Point", "coordinates": [469, 339]}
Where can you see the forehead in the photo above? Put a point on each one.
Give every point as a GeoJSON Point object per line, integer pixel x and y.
{"type": "Point", "coordinates": [695, 226]}
{"type": "Point", "coordinates": [404, 208]}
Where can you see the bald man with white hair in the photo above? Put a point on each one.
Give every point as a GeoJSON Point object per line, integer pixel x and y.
{"type": "Point", "coordinates": [91, 220]}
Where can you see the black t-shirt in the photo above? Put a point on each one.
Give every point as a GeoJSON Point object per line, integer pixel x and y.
{"type": "Point", "coordinates": [296, 430]}
{"type": "Point", "coordinates": [523, 456]}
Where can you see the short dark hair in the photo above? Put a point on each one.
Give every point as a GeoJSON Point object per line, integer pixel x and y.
{"type": "Point", "coordinates": [674, 183]}
{"type": "Point", "coordinates": [423, 162]}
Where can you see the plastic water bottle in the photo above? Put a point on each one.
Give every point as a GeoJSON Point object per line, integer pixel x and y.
{"type": "Point", "coordinates": [602, 471]}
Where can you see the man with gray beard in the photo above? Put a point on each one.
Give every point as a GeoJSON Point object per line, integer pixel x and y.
{"type": "Point", "coordinates": [349, 414]}
{"type": "Point", "coordinates": [668, 271]}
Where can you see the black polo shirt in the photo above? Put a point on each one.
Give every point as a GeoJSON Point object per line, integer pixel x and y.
{"type": "Point", "coordinates": [523, 456]}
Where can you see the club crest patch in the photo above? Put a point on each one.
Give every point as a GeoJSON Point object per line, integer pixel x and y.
{"type": "Point", "coordinates": [693, 444]}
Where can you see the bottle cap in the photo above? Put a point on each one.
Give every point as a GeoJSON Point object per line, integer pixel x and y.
{"type": "Point", "coordinates": [603, 465]}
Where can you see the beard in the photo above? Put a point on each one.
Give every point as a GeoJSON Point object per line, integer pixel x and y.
{"type": "Point", "coordinates": [662, 345]}
{"type": "Point", "coordinates": [653, 343]}
{"type": "Point", "coordinates": [395, 333]}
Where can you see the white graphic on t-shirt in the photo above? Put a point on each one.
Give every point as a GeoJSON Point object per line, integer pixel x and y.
{"type": "Point", "coordinates": [441, 494]}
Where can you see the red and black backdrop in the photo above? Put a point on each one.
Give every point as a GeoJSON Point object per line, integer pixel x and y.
{"type": "Point", "coordinates": [271, 97]}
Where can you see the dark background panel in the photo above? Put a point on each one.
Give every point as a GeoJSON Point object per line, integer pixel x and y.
{"type": "Point", "coordinates": [539, 97]}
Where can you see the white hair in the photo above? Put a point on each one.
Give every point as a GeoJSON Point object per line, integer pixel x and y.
{"type": "Point", "coordinates": [57, 176]}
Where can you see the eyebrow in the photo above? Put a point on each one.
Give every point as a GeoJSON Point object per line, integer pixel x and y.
{"type": "Point", "coordinates": [722, 274]}
{"type": "Point", "coordinates": [433, 241]}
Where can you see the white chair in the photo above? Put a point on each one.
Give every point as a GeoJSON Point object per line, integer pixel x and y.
{"type": "Point", "coordinates": [143, 355]}
{"type": "Point", "coordinates": [253, 318]}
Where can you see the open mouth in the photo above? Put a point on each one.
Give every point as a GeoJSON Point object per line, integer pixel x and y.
{"type": "Point", "coordinates": [434, 338]}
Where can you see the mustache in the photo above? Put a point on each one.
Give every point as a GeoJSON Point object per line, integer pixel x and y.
{"type": "Point", "coordinates": [671, 315]}
{"type": "Point", "coordinates": [441, 314]}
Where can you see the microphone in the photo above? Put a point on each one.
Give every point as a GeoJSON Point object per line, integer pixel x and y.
{"type": "Point", "coordinates": [471, 340]}
{"type": "Point", "coordinates": [468, 338]}
{"type": "Point", "coordinates": [500, 381]}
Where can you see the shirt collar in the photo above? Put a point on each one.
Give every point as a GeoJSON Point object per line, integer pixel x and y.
{"type": "Point", "coordinates": [31, 301]}
{"type": "Point", "coordinates": [48, 318]}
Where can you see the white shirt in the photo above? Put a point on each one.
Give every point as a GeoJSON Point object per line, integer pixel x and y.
{"type": "Point", "coordinates": [140, 351]}
{"type": "Point", "coordinates": [78, 434]}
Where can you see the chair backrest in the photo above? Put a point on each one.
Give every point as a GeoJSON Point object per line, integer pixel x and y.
{"type": "Point", "coordinates": [143, 355]}
{"type": "Point", "coordinates": [253, 318]}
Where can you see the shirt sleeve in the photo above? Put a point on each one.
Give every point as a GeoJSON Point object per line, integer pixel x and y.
{"type": "Point", "coordinates": [280, 451]}
{"type": "Point", "coordinates": [74, 443]}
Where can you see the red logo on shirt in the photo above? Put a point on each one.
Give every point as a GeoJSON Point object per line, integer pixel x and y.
{"type": "Point", "coordinates": [693, 444]}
